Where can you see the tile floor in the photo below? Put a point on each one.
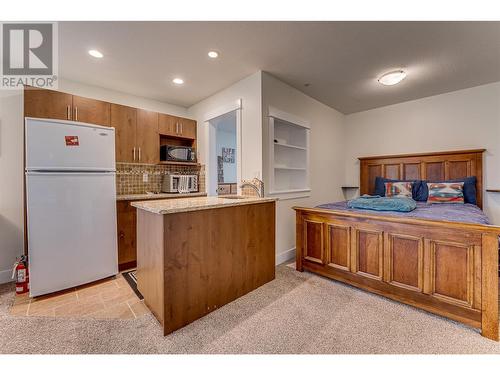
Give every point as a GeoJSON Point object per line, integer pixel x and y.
{"type": "Point", "coordinates": [111, 298]}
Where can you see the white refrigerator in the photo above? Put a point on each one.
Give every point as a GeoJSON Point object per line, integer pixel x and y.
{"type": "Point", "coordinates": [71, 207]}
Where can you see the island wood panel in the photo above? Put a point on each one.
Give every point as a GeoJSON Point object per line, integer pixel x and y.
{"type": "Point", "coordinates": [210, 258]}
{"type": "Point", "coordinates": [437, 266]}
{"type": "Point", "coordinates": [437, 166]}
{"type": "Point", "coordinates": [150, 261]}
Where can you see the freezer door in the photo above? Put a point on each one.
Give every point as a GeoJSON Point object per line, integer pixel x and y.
{"type": "Point", "coordinates": [71, 229]}
{"type": "Point", "coordinates": [66, 145]}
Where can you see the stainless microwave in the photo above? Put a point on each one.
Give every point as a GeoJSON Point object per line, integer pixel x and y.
{"type": "Point", "coordinates": [177, 153]}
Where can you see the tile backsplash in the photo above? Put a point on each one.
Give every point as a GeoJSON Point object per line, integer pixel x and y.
{"type": "Point", "coordinates": [129, 177]}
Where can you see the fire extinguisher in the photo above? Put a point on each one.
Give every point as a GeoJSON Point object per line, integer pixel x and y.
{"type": "Point", "coordinates": [21, 275]}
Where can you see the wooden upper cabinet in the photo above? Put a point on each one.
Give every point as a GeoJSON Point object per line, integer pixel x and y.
{"type": "Point", "coordinates": [91, 111]}
{"type": "Point", "coordinates": [177, 126]}
{"type": "Point", "coordinates": [167, 125]}
{"type": "Point", "coordinates": [187, 128]}
{"type": "Point", "coordinates": [47, 104]}
{"type": "Point", "coordinates": [124, 120]}
{"type": "Point", "coordinates": [147, 137]}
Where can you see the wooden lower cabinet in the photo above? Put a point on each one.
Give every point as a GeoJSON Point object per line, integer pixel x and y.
{"type": "Point", "coordinates": [126, 226]}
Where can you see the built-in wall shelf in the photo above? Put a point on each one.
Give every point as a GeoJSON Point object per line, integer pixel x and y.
{"type": "Point", "coordinates": [493, 190]}
{"type": "Point", "coordinates": [180, 163]}
{"type": "Point", "coordinates": [290, 146]}
{"type": "Point", "coordinates": [288, 154]}
{"type": "Point", "coordinates": [290, 168]}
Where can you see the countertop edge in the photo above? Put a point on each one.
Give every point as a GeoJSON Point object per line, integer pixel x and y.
{"type": "Point", "coordinates": [146, 197]}
{"type": "Point", "coordinates": [203, 207]}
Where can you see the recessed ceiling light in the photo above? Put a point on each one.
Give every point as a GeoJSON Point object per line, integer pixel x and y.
{"type": "Point", "coordinates": [96, 53]}
{"type": "Point", "coordinates": [213, 54]}
{"type": "Point", "coordinates": [392, 78]}
{"type": "Point", "coordinates": [178, 81]}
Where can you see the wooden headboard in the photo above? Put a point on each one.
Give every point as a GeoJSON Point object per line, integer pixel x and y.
{"type": "Point", "coordinates": [434, 166]}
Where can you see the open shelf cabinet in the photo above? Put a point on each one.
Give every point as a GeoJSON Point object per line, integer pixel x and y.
{"type": "Point", "coordinates": [288, 154]}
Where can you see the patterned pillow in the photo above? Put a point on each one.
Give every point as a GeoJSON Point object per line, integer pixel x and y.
{"type": "Point", "coordinates": [398, 189]}
{"type": "Point", "coordinates": [445, 192]}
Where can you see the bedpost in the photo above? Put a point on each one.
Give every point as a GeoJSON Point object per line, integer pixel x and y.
{"type": "Point", "coordinates": [489, 303]}
{"type": "Point", "coordinates": [299, 234]}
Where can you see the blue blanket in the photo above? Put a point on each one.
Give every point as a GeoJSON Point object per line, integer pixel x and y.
{"type": "Point", "coordinates": [377, 203]}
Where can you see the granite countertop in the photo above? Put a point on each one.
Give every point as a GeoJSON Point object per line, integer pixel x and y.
{"type": "Point", "coordinates": [134, 197]}
{"type": "Point", "coordinates": [172, 206]}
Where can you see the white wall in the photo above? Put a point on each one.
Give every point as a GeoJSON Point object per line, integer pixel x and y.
{"type": "Point", "coordinates": [249, 91]}
{"type": "Point", "coordinates": [465, 119]}
{"type": "Point", "coordinates": [100, 93]}
{"type": "Point", "coordinates": [11, 181]}
{"type": "Point", "coordinates": [326, 155]}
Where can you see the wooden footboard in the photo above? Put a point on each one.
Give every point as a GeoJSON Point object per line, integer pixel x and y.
{"type": "Point", "coordinates": [447, 268]}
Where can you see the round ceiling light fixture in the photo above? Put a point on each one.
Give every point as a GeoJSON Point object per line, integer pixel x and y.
{"type": "Point", "coordinates": [392, 78]}
{"type": "Point", "coordinates": [178, 81]}
{"type": "Point", "coordinates": [213, 54]}
{"type": "Point", "coordinates": [95, 53]}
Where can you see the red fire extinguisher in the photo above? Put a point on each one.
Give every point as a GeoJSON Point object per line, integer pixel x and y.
{"type": "Point", "coordinates": [21, 275]}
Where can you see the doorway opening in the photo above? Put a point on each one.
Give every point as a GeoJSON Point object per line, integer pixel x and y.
{"type": "Point", "coordinates": [224, 156]}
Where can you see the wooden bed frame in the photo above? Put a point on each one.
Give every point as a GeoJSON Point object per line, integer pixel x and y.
{"type": "Point", "coordinates": [447, 268]}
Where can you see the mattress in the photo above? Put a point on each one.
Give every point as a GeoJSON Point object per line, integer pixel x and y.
{"type": "Point", "coordinates": [462, 213]}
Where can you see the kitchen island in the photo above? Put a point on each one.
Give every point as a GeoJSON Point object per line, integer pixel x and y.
{"type": "Point", "coordinates": [194, 255]}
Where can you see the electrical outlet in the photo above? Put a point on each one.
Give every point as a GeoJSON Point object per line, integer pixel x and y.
{"type": "Point", "coordinates": [145, 177]}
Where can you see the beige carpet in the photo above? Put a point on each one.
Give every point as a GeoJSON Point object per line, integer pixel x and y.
{"type": "Point", "coordinates": [296, 313]}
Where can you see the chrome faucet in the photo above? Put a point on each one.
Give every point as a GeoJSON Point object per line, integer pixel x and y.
{"type": "Point", "coordinates": [255, 184]}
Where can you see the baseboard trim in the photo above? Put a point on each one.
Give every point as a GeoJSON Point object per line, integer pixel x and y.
{"type": "Point", "coordinates": [285, 256]}
{"type": "Point", "coordinates": [5, 276]}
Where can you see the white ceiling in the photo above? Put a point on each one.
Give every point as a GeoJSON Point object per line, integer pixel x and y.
{"type": "Point", "coordinates": [340, 60]}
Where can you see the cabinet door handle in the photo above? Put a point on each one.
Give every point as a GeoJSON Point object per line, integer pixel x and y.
{"type": "Point", "coordinates": [76, 113]}
{"type": "Point", "coordinates": [134, 153]}
{"type": "Point", "coordinates": [68, 112]}
{"type": "Point", "coordinates": [176, 128]}
{"type": "Point", "coordinates": [181, 127]}
{"type": "Point", "coordinates": [139, 154]}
